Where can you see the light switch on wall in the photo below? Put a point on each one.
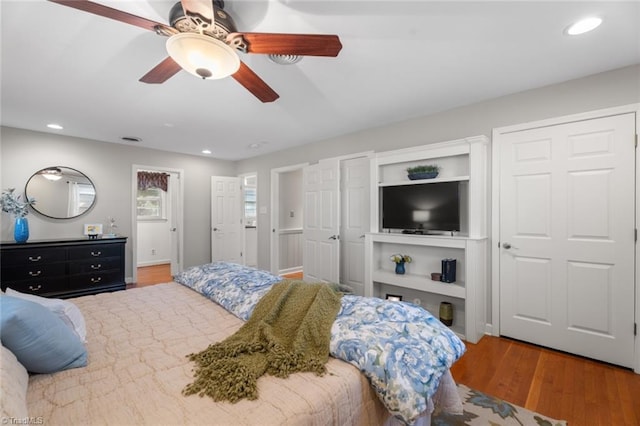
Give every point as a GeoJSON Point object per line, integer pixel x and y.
{"type": "Point", "coordinates": [291, 214]}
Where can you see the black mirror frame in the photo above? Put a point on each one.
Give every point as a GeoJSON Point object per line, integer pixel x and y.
{"type": "Point", "coordinates": [34, 206]}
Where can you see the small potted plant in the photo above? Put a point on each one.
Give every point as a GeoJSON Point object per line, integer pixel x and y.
{"type": "Point", "coordinates": [428, 171]}
{"type": "Point", "coordinates": [400, 259]}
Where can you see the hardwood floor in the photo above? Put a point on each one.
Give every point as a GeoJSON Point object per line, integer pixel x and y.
{"type": "Point", "coordinates": [150, 275]}
{"type": "Point", "coordinates": [294, 275]}
{"type": "Point", "coordinates": [581, 391]}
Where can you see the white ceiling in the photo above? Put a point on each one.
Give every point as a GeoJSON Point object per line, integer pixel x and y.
{"type": "Point", "coordinates": [400, 59]}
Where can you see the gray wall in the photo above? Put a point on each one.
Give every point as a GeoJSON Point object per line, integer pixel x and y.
{"type": "Point", "coordinates": [109, 166]}
{"type": "Point", "coordinates": [613, 88]}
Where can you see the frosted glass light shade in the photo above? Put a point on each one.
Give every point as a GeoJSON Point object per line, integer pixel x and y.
{"type": "Point", "coordinates": [203, 56]}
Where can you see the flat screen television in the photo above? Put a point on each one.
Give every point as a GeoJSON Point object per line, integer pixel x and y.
{"type": "Point", "coordinates": [421, 208]}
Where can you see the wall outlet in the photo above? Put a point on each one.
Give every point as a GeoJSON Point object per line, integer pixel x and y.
{"type": "Point", "coordinates": [291, 213]}
{"type": "Point", "coordinates": [417, 301]}
{"type": "Point", "coordinates": [153, 252]}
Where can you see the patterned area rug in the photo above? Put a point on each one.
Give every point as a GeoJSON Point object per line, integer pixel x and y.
{"type": "Point", "coordinates": [486, 410]}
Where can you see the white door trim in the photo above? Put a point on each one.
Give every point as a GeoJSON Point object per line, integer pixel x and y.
{"type": "Point", "coordinates": [495, 205]}
{"type": "Point", "coordinates": [133, 238]}
{"type": "Point", "coordinates": [274, 262]}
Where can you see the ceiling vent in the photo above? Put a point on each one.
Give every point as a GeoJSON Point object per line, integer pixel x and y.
{"type": "Point", "coordinates": [285, 59]}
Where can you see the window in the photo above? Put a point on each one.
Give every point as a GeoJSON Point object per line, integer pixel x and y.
{"type": "Point", "coordinates": [151, 204]}
{"type": "Point", "coordinates": [250, 201]}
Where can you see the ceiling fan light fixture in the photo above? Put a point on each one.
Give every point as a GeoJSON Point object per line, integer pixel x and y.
{"type": "Point", "coordinates": [203, 56]}
{"type": "Point", "coordinates": [53, 174]}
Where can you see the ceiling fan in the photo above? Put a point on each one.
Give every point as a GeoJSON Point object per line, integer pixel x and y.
{"type": "Point", "coordinates": [203, 40]}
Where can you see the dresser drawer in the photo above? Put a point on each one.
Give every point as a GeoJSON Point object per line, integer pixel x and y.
{"type": "Point", "coordinates": [26, 272]}
{"type": "Point", "coordinates": [40, 287]}
{"type": "Point", "coordinates": [32, 256]}
{"type": "Point", "coordinates": [94, 265]}
{"type": "Point", "coordinates": [94, 251]}
{"type": "Point", "coordinates": [96, 279]}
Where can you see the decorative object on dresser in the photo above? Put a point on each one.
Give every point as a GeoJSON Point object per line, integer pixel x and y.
{"type": "Point", "coordinates": [13, 204]}
{"type": "Point", "coordinates": [65, 267]}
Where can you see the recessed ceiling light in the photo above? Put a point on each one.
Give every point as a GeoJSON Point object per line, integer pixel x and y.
{"type": "Point", "coordinates": [55, 126]}
{"type": "Point", "coordinates": [584, 25]}
{"type": "Point", "coordinates": [206, 151]}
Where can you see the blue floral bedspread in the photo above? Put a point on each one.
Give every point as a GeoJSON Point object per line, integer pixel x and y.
{"type": "Point", "coordinates": [401, 348]}
{"type": "Point", "coordinates": [235, 287]}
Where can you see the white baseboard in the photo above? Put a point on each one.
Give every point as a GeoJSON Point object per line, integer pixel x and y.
{"type": "Point", "coordinates": [290, 270]}
{"type": "Point", "coordinates": [154, 263]}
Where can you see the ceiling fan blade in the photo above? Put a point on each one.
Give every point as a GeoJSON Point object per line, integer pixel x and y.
{"type": "Point", "coordinates": [118, 15]}
{"type": "Point", "coordinates": [254, 84]}
{"type": "Point", "coordinates": [291, 44]}
{"type": "Point", "coordinates": [161, 72]}
{"type": "Point", "coordinates": [200, 12]}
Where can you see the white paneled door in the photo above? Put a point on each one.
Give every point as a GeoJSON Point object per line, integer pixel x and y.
{"type": "Point", "coordinates": [567, 237]}
{"type": "Point", "coordinates": [355, 205]}
{"type": "Point", "coordinates": [226, 225]}
{"type": "Point", "coordinates": [321, 227]}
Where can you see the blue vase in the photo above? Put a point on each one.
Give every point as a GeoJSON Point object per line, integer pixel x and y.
{"type": "Point", "coordinates": [400, 268]}
{"type": "Point", "coordinates": [21, 230]}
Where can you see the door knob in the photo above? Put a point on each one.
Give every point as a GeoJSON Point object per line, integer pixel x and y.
{"type": "Point", "coordinates": [334, 237]}
{"type": "Point", "coordinates": [506, 246]}
{"type": "Point", "coordinates": [215, 229]}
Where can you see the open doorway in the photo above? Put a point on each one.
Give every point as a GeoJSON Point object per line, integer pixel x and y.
{"type": "Point", "coordinates": [288, 204]}
{"type": "Point", "coordinates": [249, 185]}
{"type": "Point", "coordinates": [286, 220]}
{"type": "Point", "coordinates": [157, 223]}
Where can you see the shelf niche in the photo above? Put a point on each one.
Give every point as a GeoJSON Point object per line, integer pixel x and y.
{"type": "Point", "coordinates": [463, 160]}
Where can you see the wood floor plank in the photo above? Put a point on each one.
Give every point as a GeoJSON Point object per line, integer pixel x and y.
{"type": "Point", "coordinates": [581, 391]}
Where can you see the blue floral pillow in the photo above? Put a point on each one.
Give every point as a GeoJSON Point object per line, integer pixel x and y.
{"type": "Point", "coordinates": [236, 288]}
{"type": "Point", "coordinates": [401, 348]}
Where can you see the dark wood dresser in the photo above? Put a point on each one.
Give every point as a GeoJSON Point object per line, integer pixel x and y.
{"type": "Point", "coordinates": [63, 268]}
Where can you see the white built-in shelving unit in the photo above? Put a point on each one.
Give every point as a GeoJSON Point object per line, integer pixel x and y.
{"type": "Point", "coordinates": [463, 160]}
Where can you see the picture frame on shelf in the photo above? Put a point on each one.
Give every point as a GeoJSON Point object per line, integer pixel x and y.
{"type": "Point", "coordinates": [394, 297]}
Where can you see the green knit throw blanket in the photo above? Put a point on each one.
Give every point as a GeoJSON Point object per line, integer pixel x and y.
{"type": "Point", "coordinates": [289, 331]}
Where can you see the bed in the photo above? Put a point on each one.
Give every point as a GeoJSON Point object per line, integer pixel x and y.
{"type": "Point", "coordinates": [136, 366]}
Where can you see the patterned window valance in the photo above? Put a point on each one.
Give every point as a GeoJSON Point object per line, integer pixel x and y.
{"type": "Point", "coordinates": [148, 180]}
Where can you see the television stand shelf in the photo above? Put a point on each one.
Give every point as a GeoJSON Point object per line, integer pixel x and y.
{"type": "Point", "coordinates": [418, 205]}
{"type": "Point", "coordinates": [466, 294]}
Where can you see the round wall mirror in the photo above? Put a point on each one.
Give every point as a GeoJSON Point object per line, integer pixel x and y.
{"type": "Point", "coordinates": [61, 192]}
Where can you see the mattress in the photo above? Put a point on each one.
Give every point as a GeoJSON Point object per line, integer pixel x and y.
{"type": "Point", "coordinates": [138, 341]}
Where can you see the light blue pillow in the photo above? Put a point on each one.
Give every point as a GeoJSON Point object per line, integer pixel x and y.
{"type": "Point", "coordinates": [40, 340]}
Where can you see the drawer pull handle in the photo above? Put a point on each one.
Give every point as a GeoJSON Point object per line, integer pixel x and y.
{"type": "Point", "coordinates": [35, 274]}
{"type": "Point", "coordinates": [98, 266]}
{"type": "Point", "coordinates": [35, 288]}
{"type": "Point", "coordinates": [96, 253]}
{"type": "Point", "coordinates": [96, 280]}
{"type": "Point", "coordinates": [35, 259]}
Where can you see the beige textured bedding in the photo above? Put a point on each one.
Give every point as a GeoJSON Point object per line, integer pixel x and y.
{"type": "Point", "coordinates": [138, 340]}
